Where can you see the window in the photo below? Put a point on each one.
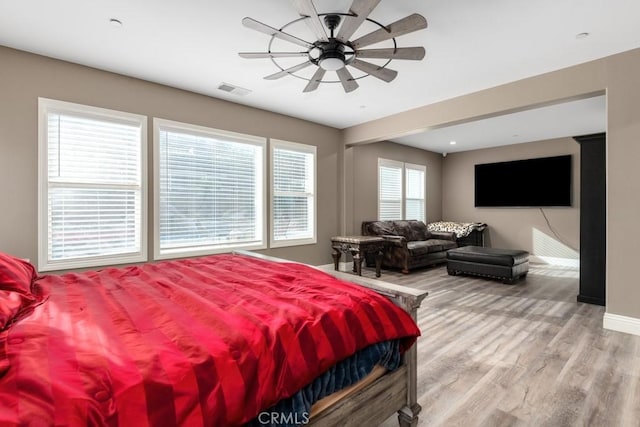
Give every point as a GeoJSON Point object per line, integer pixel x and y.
{"type": "Point", "coordinates": [414, 201]}
{"type": "Point", "coordinates": [209, 190]}
{"type": "Point", "coordinates": [401, 190]}
{"type": "Point", "coordinates": [293, 187]}
{"type": "Point", "coordinates": [390, 189]}
{"type": "Point", "coordinates": [92, 187]}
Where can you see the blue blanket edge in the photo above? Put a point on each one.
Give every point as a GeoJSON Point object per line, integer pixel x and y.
{"type": "Point", "coordinates": [294, 411]}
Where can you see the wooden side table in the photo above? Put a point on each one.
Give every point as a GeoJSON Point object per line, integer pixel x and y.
{"type": "Point", "coordinates": [357, 246]}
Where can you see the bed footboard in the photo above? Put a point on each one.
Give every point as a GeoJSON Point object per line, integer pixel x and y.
{"type": "Point", "coordinates": [393, 392]}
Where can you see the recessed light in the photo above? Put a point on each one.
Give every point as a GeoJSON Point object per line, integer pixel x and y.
{"type": "Point", "coordinates": [115, 22]}
{"type": "Point", "coordinates": [582, 35]}
{"type": "Point", "coordinates": [453, 143]}
{"type": "Point", "coordinates": [363, 106]}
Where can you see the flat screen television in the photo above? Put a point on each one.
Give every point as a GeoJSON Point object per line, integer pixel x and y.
{"type": "Point", "coordinates": [541, 182]}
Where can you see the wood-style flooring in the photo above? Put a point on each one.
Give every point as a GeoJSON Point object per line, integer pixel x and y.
{"type": "Point", "coordinates": [525, 354]}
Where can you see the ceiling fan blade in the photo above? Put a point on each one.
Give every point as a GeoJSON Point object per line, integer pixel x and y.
{"type": "Point", "coordinates": [306, 8]}
{"type": "Point", "coordinates": [257, 55]}
{"type": "Point", "coordinates": [411, 53]}
{"type": "Point", "coordinates": [376, 71]}
{"type": "Point", "coordinates": [348, 83]}
{"type": "Point", "coordinates": [288, 71]}
{"type": "Point", "coordinates": [315, 80]}
{"type": "Point", "coordinates": [405, 25]}
{"type": "Point", "coordinates": [361, 9]}
{"type": "Point", "coordinates": [264, 28]}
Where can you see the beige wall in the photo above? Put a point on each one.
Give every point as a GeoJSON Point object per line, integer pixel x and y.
{"type": "Point", "coordinates": [365, 179]}
{"type": "Point", "coordinates": [617, 76]}
{"type": "Point", "coordinates": [623, 184]}
{"type": "Point", "coordinates": [522, 228]}
{"type": "Point", "coordinates": [25, 77]}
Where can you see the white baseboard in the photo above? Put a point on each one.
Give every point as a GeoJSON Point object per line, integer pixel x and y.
{"type": "Point", "coordinates": [615, 322]}
{"type": "Point", "coordinates": [564, 262]}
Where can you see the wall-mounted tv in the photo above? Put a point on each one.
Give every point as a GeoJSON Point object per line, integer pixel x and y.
{"type": "Point", "coordinates": [541, 182]}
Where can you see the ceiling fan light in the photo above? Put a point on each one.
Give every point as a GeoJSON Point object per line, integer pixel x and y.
{"type": "Point", "coordinates": [331, 64]}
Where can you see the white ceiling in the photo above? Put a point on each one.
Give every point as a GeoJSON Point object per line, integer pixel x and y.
{"type": "Point", "coordinates": [568, 119]}
{"type": "Point", "coordinates": [471, 45]}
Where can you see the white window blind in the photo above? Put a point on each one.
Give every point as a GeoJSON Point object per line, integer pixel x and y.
{"type": "Point", "coordinates": [293, 194]}
{"type": "Point", "coordinates": [92, 191]}
{"type": "Point", "coordinates": [401, 190]}
{"type": "Point", "coordinates": [414, 197]}
{"type": "Point", "coordinates": [210, 190]}
{"type": "Point", "coordinates": [390, 190]}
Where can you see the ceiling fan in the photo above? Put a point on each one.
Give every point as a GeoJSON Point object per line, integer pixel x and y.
{"type": "Point", "coordinates": [334, 52]}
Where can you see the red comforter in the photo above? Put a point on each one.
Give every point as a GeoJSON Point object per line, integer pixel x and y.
{"type": "Point", "coordinates": [209, 341]}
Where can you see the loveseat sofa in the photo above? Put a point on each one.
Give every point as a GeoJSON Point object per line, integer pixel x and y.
{"type": "Point", "coordinates": [409, 244]}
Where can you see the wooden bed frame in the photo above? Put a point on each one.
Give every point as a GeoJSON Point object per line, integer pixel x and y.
{"type": "Point", "coordinates": [393, 392]}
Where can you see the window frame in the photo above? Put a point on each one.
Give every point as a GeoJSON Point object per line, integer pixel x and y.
{"type": "Point", "coordinates": [423, 169]}
{"type": "Point", "coordinates": [305, 148]}
{"type": "Point", "coordinates": [162, 254]}
{"type": "Point", "coordinates": [392, 164]}
{"type": "Point", "coordinates": [403, 166]}
{"type": "Point", "coordinates": [47, 106]}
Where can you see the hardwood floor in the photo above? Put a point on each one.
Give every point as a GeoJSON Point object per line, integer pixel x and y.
{"type": "Point", "coordinates": [525, 354]}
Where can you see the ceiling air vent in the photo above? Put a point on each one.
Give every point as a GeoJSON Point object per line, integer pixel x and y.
{"type": "Point", "coordinates": [236, 90]}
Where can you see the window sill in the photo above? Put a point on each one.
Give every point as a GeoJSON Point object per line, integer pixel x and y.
{"type": "Point", "coordinates": [292, 242]}
{"type": "Point", "coordinates": [91, 262]}
{"type": "Point", "coordinates": [161, 254]}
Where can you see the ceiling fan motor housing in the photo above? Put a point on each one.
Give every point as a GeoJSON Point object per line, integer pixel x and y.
{"type": "Point", "coordinates": [332, 57]}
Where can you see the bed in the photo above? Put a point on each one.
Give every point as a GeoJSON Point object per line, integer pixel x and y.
{"type": "Point", "coordinates": [220, 340]}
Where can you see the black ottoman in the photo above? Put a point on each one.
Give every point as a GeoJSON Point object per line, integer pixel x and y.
{"type": "Point", "coordinates": [505, 264]}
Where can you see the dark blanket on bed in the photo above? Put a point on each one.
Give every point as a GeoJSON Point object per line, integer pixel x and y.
{"type": "Point", "coordinates": [295, 410]}
{"type": "Point", "coordinates": [210, 341]}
